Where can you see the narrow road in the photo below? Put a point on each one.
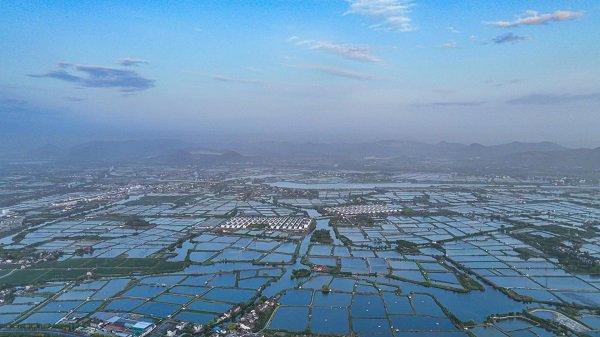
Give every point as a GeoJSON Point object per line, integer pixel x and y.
{"type": "Point", "coordinates": [49, 332]}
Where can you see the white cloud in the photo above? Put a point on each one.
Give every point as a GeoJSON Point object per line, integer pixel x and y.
{"type": "Point", "coordinates": [390, 15]}
{"type": "Point", "coordinates": [532, 18]}
{"type": "Point", "coordinates": [450, 45]}
{"type": "Point", "coordinates": [235, 80]}
{"type": "Point", "coordinates": [333, 71]}
{"type": "Point", "coordinates": [132, 62]}
{"type": "Point", "coordinates": [452, 29]}
{"type": "Point", "coordinates": [349, 51]}
{"type": "Point", "coordinates": [550, 99]}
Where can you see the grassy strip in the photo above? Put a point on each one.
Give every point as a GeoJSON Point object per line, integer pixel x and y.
{"type": "Point", "coordinates": [78, 268]}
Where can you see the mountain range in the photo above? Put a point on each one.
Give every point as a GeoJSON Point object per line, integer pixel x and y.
{"type": "Point", "coordinates": [541, 157]}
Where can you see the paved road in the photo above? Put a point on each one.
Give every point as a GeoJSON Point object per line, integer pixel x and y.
{"type": "Point", "coordinates": [44, 331]}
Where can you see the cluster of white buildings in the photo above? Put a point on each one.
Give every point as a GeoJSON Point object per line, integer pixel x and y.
{"type": "Point", "coordinates": [285, 223]}
{"type": "Point", "coordinates": [362, 209]}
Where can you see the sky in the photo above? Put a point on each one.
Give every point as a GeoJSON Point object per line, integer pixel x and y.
{"type": "Point", "coordinates": [327, 70]}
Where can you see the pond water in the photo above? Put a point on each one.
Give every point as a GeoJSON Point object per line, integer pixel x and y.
{"type": "Point", "coordinates": [157, 309]}
{"type": "Point", "coordinates": [144, 291]}
{"type": "Point", "coordinates": [206, 306]}
{"type": "Point", "coordinates": [421, 323]}
{"type": "Point", "coordinates": [195, 317]}
{"type": "Point", "coordinates": [7, 318]}
{"type": "Point", "coordinates": [253, 283]}
{"type": "Point", "coordinates": [332, 299]}
{"type": "Point", "coordinates": [329, 321]}
{"type": "Point", "coordinates": [342, 284]}
{"type": "Point", "coordinates": [277, 258]}
{"type": "Point", "coordinates": [368, 306]}
{"type": "Point", "coordinates": [44, 318]}
{"type": "Point", "coordinates": [223, 280]}
{"type": "Point", "coordinates": [293, 319]}
{"type": "Point", "coordinates": [474, 305]}
{"type": "Point", "coordinates": [111, 288]}
{"type": "Point", "coordinates": [189, 290]}
{"type": "Point", "coordinates": [371, 327]}
{"type": "Point", "coordinates": [232, 295]}
{"type": "Point", "coordinates": [123, 304]}
{"type": "Point", "coordinates": [296, 297]}
{"type": "Point", "coordinates": [60, 306]}
{"type": "Point", "coordinates": [397, 304]}
{"type": "Point", "coordinates": [171, 298]}
{"type": "Point", "coordinates": [325, 261]}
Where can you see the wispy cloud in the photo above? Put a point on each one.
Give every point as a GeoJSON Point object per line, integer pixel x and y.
{"type": "Point", "coordinates": [452, 29]}
{"type": "Point", "coordinates": [547, 99]}
{"type": "Point", "coordinates": [334, 71]}
{"type": "Point", "coordinates": [235, 79]}
{"type": "Point", "coordinates": [132, 62]}
{"type": "Point", "coordinates": [390, 15]}
{"type": "Point", "coordinates": [99, 77]}
{"type": "Point", "coordinates": [458, 103]}
{"type": "Point", "coordinates": [73, 99]}
{"type": "Point", "coordinates": [12, 104]}
{"type": "Point", "coordinates": [449, 104]}
{"type": "Point", "coordinates": [450, 45]}
{"type": "Point", "coordinates": [354, 52]}
{"type": "Point", "coordinates": [476, 40]}
{"type": "Point", "coordinates": [532, 18]}
{"type": "Point", "coordinates": [253, 69]}
{"type": "Point", "coordinates": [509, 38]}
{"type": "Point", "coordinates": [499, 84]}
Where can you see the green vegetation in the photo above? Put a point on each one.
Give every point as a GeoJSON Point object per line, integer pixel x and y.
{"type": "Point", "coordinates": [469, 283]}
{"type": "Point", "coordinates": [137, 223]}
{"type": "Point", "coordinates": [569, 256]}
{"type": "Point", "coordinates": [515, 296]}
{"type": "Point", "coordinates": [525, 253]}
{"type": "Point", "coordinates": [263, 318]}
{"type": "Point", "coordinates": [75, 269]}
{"type": "Point", "coordinates": [569, 311]}
{"type": "Point", "coordinates": [407, 247]}
{"type": "Point", "coordinates": [81, 251]}
{"type": "Point", "coordinates": [258, 226]}
{"type": "Point", "coordinates": [363, 220]}
{"type": "Point", "coordinates": [16, 254]}
{"type": "Point", "coordinates": [28, 334]}
{"type": "Point", "coordinates": [325, 289]}
{"type": "Point", "coordinates": [321, 236]}
{"type": "Point", "coordinates": [302, 272]}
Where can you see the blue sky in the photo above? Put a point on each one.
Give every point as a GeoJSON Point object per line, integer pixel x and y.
{"type": "Point", "coordinates": [467, 71]}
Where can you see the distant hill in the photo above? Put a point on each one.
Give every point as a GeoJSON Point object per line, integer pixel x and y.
{"type": "Point", "coordinates": [117, 151]}
{"type": "Point", "coordinates": [187, 157]}
{"type": "Point", "coordinates": [47, 151]}
{"type": "Point", "coordinates": [553, 161]}
{"type": "Point", "coordinates": [521, 157]}
{"type": "Point", "coordinates": [152, 151]}
{"type": "Point", "coordinates": [395, 148]}
{"type": "Point", "coordinates": [542, 157]}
